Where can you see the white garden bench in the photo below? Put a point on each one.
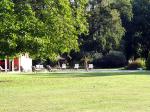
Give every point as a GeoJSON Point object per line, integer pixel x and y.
{"type": "Point", "coordinates": [76, 66]}
{"type": "Point", "coordinates": [90, 66]}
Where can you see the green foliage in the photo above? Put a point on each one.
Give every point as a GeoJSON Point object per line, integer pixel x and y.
{"type": "Point", "coordinates": [44, 28]}
{"type": "Point", "coordinates": [29, 29]}
{"type": "Point", "coordinates": [105, 25]}
{"type": "Point", "coordinates": [96, 56]}
{"type": "Point", "coordinates": [110, 31]}
{"type": "Point", "coordinates": [138, 63]}
{"type": "Point", "coordinates": [124, 7]}
{"type": "Point", "coordinates": [114, 59]}
{"type": "Point", "coordinates": [137, 38]}
{"type": "Point", "coordinates": [148, 62]}
{"type": "Point", "coordinates": [63, 23]}
{"type": "Point", "coordinates": [7, 26]}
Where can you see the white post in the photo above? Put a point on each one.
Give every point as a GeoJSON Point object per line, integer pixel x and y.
{"type": "Point", "coordinates": [5, 65]}
{"type": "Point", "coordinates": [9, 64]}
{"type": "Point", "coordinates": [12, 65]}
{"type": "Point", "coordinates": [19, 63]}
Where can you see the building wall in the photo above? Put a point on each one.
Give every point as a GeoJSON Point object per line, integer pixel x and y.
{"type": "Point", "coordinates": [24, 60]}
{"type": "Point", "coordinates": [26, 63]}
{"type": "Point", "coordinates": [16, 64]}
{"type": "Point", "coordinates": [2, 64]}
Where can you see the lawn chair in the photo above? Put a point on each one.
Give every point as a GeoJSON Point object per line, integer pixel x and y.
{"type": "Point", "coordinates": [90, 66]}
{"type": "Point", "coordinates": [64, 66]}
{"type": "Point", "coordinates": [1, 69]}
{"type": "Point", "coordinates": [76, 66]}
{"type": "Point", "coordinates": [49, 68]}
{"type": "Point", "coordinates": [39, 67]}
{"type": "Point", "coordinates": [33, 69]}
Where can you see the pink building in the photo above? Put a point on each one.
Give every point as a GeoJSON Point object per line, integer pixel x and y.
{"type": "Point", "coordinates": [20, 63]}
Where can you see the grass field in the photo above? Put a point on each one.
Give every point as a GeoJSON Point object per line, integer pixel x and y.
{"type": "Point", "coordinates": [92, 92]}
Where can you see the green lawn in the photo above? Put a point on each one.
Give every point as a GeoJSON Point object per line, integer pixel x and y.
{"type": "Point", "coordinates": [93, 92]}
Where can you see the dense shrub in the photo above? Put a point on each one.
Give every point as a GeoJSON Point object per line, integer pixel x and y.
{"type": "Point", "coordinates": [114, 59]}
{"type": "Point", "coordinates": [148, 62]}
{"type": "Point", "coordinates": [138, 63]}
{"type": "Point", "coordinates": [97, 55]}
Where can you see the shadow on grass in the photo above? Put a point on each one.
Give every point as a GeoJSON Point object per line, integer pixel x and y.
{"type": "Point", "coordinates": [5, 81]}
{"type": "Point", "coordinates": [75, 75]}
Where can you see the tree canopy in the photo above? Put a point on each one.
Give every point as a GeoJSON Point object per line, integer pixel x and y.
{"type": "Point", "coordinates": [105, 24]}
{"type": "Point", "coordinates": [137, 38]}
{"type": "Point", "coordinates": [45, 28]}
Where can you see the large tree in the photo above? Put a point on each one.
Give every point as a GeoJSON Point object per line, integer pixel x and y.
{"type": "Point", "coordinates": [137, 38]}
{"type": "Point", "coordinates": [63, 21]}
{"type": "Point", "coordinates": [42, 28]}
{"type": "Point", "coordinates": [105, 25]}
{"type": "Point", "coordinates": [7, 27]}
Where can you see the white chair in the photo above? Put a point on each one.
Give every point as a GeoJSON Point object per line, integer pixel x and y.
{"type": "Point", "coordinates": [64, 66]}
{"type": "Point", "coordinates": [39, 66]}
{"type": "Point", "coordinates": [91, 66]}
{"type": "Point", "coordinates": [76, 66]}
{"type": "Point", "coordinates": [1, 69]}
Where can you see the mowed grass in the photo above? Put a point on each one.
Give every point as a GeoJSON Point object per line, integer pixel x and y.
{"type": "Point", "coordinates": [91, 92]}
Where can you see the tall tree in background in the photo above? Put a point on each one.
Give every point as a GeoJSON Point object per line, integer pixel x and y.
{"type": "Point", "coordinates": [105, 25]}
{"type": "Point", "coordinates": [137, 39]}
